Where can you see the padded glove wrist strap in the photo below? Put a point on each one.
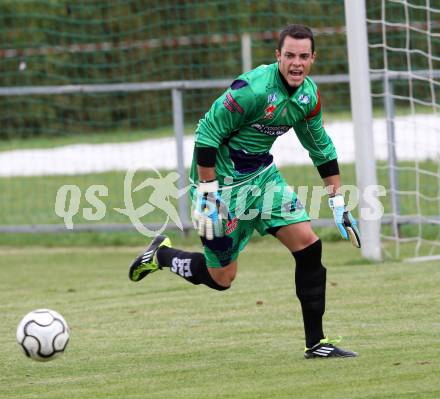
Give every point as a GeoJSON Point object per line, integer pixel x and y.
{"type": "Point", "coordinates": [336, 201]}
{"type": "Point", "coordinates": [207, 187]}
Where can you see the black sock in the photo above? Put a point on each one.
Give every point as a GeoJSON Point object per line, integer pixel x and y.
{"type": "Point", "coordinates": [189, 265]}
{"type": "Point", "coordinates": [310, 278]}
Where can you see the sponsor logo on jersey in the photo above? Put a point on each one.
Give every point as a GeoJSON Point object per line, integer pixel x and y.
{"type": "Point", "coordinates": [272, 98]}
{"type": "Point", "coordinates": [304, 99]}
{"type": "Point", "coordinates": [271, 130]}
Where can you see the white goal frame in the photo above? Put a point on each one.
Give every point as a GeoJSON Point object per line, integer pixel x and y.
{"type": "Point", "coordinates": [361, 107]}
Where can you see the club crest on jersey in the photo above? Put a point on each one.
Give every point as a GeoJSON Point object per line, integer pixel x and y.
{"type": "Point", "coordinates": [304, 99]}
{"type": "Point", "coordinates": [268, 112]}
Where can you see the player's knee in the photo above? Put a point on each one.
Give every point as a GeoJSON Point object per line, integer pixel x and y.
{"type": "Point", "coordinates": [308, 239]}
{"type": "Point", "coordinates": [225, 279]}
{"type": "Point", "coordinates": [224, 276]}
{"type": "Point", "coordinates": [309, 258]}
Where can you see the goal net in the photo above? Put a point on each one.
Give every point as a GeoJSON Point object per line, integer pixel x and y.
{"type": "Point", "coordinates": [404, 47]}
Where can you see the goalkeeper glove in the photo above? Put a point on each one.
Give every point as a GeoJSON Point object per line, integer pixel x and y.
{"type": "Point", "coordinates": [209, 210]}
{"type": "Point", "coordinates": [345, 222]}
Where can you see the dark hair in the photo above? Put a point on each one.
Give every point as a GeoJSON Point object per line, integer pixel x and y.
{"type": "Point", "coordinates": [297, 32]}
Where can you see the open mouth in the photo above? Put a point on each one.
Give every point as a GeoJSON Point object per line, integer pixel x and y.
{"type": "Point", "coordinates": [295, 74]}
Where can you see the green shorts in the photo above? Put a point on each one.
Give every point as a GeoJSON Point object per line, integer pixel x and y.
{"type": "Point", "coordinates": [264, 202]}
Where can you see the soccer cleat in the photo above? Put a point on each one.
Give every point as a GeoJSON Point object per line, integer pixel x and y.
{"type": "Point", "coordinates": [146, 262]}
{"type": "Point", "coordinates": [325, 348]}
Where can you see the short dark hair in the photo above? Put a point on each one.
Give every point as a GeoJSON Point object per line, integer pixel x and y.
{"type": "Point", "coordinates": [297, 32]}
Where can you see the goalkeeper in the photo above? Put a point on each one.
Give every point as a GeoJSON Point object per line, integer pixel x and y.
{"type": "Point", "coordinates": [237, 188]}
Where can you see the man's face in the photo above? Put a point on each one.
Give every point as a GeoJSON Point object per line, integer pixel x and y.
{"type": "Point", "coordinates": [295, 60]}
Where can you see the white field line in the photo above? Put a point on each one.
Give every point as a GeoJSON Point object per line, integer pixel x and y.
{"type": "Point", "coordinates": [417, 137]}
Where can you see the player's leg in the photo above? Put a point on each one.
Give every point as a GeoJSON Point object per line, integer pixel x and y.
{"type": "Point", "coordinates": [310, 276]}
{"type": "Point", "coordinates": [290, 223]}
{"type": "Point", "coordinates": [310, 282]}
{"type": "Point", "coordinates": [192, 266]}
{"type": "Point", "coordinates": [201, 268]}
{"type": "Point", "coordinates": [215, 268]}
{"type": "Point", "coordinates": [296, 236]}
{"type": "Point", "coordinates": [224, 275]}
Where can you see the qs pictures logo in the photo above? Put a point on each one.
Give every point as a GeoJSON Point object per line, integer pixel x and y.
{"type": "Point", "coordinates": [153, 193]}
{"type": "Point", "coordinates": [162, 190]}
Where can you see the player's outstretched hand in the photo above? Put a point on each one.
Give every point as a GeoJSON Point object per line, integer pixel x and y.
{"type": "Point", "coordinates": [345, 222]}
{"type": "Point", "coordinates": [209, 210]}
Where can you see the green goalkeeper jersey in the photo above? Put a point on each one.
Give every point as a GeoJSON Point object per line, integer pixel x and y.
{"type": "Point", "coordinates": [244, 122]}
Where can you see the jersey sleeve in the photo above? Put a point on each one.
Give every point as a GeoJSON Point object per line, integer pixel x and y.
{"type": "Point", "coordinates": [226, 115]}
{"type": "Point", "coordinates": [313, 137]}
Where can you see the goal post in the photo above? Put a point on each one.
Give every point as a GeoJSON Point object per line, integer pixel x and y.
{"type": "Point", "coordinates": [361, 107]}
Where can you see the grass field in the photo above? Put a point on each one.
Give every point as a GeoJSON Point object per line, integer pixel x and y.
{"type": "Point", "coordinates": [164, 338]}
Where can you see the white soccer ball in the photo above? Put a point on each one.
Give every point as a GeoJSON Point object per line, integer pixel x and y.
{"type": "Point", "coordinates": [43, 334]}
